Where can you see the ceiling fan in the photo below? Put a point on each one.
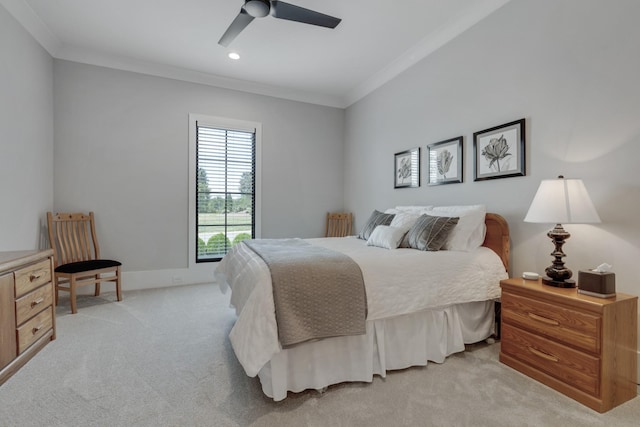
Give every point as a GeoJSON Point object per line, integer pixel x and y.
{"type": "Point", "coordinates": [278, 9]}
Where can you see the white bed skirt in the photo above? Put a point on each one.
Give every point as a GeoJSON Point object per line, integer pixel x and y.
{"type": "Point", "coordinates": [389, 344]}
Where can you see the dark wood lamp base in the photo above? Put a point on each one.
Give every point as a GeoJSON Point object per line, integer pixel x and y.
{"type": "Point", "coordinates": [568, 283]}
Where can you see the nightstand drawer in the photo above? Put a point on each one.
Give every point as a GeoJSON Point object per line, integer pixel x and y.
{"type": "Point", "coordinates": [31, 277]}
{"type": "Point", "coordinates": [33, 303]}
{"type": "Point", "coordinates": [34, 329]}
{"type": "Point", "coordinates": [572, 327]}
{"type": "Point", "coordinates": [573, 367]}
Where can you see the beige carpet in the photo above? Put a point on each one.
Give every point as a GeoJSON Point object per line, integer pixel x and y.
{"type": "Point", "coordinates": [161, 358]}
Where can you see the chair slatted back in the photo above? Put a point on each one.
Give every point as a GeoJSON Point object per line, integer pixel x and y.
{"type": "Point", "coordinates": [338, 224]}
{"type": "Point", "coordinates": [72, 237]}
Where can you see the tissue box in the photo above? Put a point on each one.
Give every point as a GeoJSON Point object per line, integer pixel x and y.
{"type": "Point", "coordinates": [596, 284]}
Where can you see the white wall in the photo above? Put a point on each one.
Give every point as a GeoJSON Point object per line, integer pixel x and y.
{"type": "Point", "coordinates": [121, 150]}
{"type": "Point", "coordinates": [571, 69]}
{"type": "Point", "coordinates": [26, 136]}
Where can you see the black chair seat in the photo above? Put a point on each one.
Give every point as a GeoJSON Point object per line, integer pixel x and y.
{"type": "Point", "coordinates": [94, 264]}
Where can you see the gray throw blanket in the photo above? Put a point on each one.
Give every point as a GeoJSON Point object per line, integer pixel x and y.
{"type": "Point", "coordinates": [318, 292]}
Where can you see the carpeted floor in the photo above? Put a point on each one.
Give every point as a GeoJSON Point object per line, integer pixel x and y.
{"type": "Point", "coordinates": [162, 358]}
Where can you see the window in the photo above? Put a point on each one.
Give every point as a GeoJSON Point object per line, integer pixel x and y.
{"type": "Point", "coordinates": [224, 190]}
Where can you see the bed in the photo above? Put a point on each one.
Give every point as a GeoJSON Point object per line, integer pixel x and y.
{"type": "Point", "coordinates": [403, 327]}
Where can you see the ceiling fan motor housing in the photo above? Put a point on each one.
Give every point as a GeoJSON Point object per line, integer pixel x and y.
{"type": "Point", "coordinates": [257, 8]}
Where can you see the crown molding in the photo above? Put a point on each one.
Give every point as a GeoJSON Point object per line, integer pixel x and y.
{"type": "Point", "coordinates": [25, 15]}
{"type": "Point", "coordinates": [92, 57]}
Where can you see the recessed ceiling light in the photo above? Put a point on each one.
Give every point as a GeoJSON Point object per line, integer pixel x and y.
{"type": "Point", "coordinates": [234, 55]}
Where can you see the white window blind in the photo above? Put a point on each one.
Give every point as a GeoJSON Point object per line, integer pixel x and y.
{"type": "Point", "coordinates": [225, 189]}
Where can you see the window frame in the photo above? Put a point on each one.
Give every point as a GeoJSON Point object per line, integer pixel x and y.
{"type": "Point", "coordinates": [223, 123]}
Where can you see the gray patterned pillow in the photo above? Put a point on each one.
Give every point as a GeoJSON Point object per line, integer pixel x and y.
{"type": "Point", "coordinates": [430, 232]}
{"type": "Point", "coordinates": [377, 218]}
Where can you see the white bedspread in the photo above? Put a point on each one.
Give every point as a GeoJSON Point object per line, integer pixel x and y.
{"type": "Point", "coordinates": [397, 282]}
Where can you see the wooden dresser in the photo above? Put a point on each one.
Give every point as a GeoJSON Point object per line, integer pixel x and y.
{"type": "Point", "coordinates": [582, 346]}
{"type": "Point", "coordinates": [27, 318]}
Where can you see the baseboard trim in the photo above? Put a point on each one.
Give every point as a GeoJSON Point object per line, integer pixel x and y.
{"type": "Point", "coordinates": [138, 280]}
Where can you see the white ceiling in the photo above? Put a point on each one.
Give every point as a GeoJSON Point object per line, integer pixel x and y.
{"type": "Point", "coordinates": [375, 41]}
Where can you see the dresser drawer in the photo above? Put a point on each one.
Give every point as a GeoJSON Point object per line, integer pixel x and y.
{"type": "Point", "coordinates": [577, 369]}
{"type": "Point", "coordinates": [34, 329]}
{"type": "Point", "coordinates": [575, 328]}
{"type": "Point", "coordinates": [32, 277]}
{"type": "Point", "coordinates": [33, 303]}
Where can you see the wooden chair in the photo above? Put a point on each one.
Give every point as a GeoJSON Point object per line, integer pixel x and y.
{"type": "Point", "coordinates": [77, 255]}
{"type": "Point", "coordinates": [338, 224]}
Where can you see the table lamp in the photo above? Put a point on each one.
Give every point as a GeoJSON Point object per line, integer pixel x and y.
{"type": "Point", "coordinates": [561, 201]}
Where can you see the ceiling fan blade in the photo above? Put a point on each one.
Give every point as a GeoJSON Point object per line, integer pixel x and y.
{"type": "Point", "coordinates": [240, 23]}
{"type": "Point", "coordinates": [290, 12]}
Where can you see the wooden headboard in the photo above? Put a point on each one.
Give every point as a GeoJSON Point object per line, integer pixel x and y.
{"type": "Point", "coordinates": [497, 237]}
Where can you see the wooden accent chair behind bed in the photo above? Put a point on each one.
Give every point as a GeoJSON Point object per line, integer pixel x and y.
{"type": "Point", "coordinates": [338, 224]}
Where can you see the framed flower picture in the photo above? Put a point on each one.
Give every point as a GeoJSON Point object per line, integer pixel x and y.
{"type": "Point", "coordinates": [406, 168]}
{"type": "Point", "coordinates": [499, 152]}
{"type": "Point", "coordinates": [445, 161]}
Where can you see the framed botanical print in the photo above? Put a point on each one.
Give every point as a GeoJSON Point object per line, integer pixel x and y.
{"type": "Point", "coordinates": [406, 168]}
{"type": "Point", "coordinates": [445, 161]}
{"type": "Point", "coordinates": [499, 152]}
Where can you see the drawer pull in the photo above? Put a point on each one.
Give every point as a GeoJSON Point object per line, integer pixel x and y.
{"type": "Point", "coordinates": [35, 276]}
{"type": "Point", "coordinates": [36, 302]}
{"type": "Point", "coordinates": [543, 319]}
{"type": "Point", "coordinates": [543, 354]}
{"type": "Point", "coordinates": [36, 329]}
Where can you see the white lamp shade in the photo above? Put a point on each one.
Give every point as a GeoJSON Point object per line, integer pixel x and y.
{"type": "Point", "coordinates": [562, 201]}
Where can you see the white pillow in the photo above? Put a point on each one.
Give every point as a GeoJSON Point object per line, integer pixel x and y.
{"type": "Point", "coordinates": [469, 233]}
{"type": "Point", "coordinates": [404, 220]}
{"type": "Point", "coordinates": [385, 236]}
{"type": "Point", "coordinates": [414, 209]}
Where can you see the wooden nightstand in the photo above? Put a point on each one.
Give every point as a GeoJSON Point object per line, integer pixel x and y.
{"type": "Point", "coordinates": [582, 346]}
